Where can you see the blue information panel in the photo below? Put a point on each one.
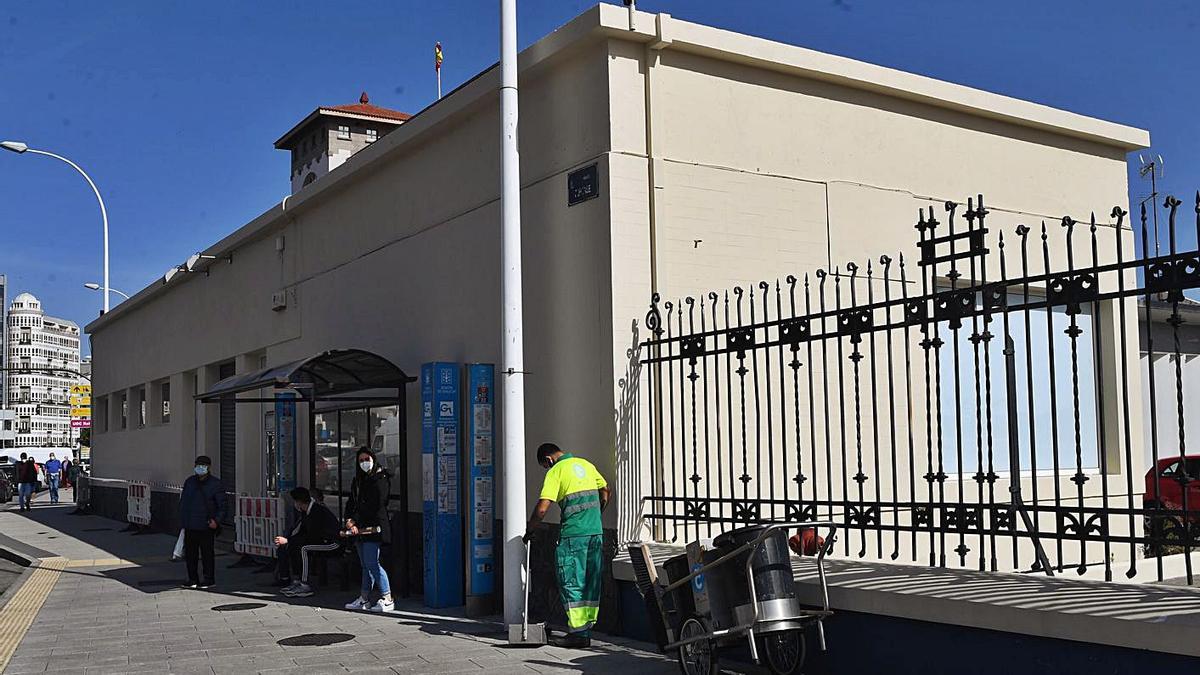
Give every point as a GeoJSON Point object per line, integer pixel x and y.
{"type": "Point", "coordinates": [480, 399]}
{"type": "Point", "coordinates": [442, 523]}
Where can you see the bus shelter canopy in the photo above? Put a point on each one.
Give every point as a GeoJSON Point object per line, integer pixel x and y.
{"type": "Point", "coordinates": [329, 375]}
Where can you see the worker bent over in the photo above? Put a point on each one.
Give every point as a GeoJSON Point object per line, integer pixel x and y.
{"type": "Point", "coordinates": [581, 493]}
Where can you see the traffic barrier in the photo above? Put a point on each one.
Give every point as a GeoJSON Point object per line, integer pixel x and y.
{"type": "Point", "coordinates": [259, 520]}
{"type": "Point", "coordinates": [138, 501]}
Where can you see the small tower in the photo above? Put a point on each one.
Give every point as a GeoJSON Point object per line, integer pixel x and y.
{"type": "Point", "coordinates": [329, 135]}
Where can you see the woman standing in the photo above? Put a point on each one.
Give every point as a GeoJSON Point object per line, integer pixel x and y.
{"type": "Point", "coordinates": [367, 521]}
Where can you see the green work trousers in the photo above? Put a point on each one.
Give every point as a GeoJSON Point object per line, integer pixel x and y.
{"type": "Point", "coordinates": [579, 581]}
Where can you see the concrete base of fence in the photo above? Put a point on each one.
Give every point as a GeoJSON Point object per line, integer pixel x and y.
{"type": "Point", "coordinates": [1086, 614]}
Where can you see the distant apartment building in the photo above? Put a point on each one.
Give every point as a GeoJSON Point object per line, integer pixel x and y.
{"type": "Point", "coordinates": [43, 356]}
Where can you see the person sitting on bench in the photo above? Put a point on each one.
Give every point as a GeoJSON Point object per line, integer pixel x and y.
{"type": "Point", "coordinates": [316, 531]}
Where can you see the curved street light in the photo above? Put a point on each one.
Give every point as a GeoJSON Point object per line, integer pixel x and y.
{"type": "Point", "coordinates": [21, 148]}
{"type": "Point", "coordinates": [91, 285]}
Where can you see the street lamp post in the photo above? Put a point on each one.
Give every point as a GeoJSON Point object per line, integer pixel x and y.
{"type": "Point", "coordinates": [512, 350]}
{"type": "Point", "coordinates": [21, 148]}
{"type": "Point", "coordinates": [93, 286]}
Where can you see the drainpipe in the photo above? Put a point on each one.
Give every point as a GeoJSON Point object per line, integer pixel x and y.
{"type": "Point", "coordinates": [512, 345]}
{"type": "Point", "coordinates": [652, 172]}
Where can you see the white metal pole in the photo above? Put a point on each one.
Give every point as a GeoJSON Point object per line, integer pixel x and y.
{"type": "Point", "coordinates": [512, 347]}
{"type": "Point", "coordinates": [103, 213]}
{"type": "Point", "coordinates": [439, 79]}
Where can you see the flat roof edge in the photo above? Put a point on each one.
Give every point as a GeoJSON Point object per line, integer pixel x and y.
{"type": "Point", "coordinates": [663, 31]}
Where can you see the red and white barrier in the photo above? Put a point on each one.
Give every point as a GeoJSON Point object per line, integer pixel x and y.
{"type": "Point", "coordinates": [259, 520]}
{"type": "Point", "coordinates": [138, 503]}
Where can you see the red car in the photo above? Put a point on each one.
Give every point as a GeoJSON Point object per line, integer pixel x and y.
{"type": "Point", "coordinates": [1170, 495]}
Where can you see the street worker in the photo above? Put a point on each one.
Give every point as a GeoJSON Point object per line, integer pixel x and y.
{"type": "Point", "coordinates": [316, 531]}
{"type": "Point", "coordinates": [54, 477]}
{"type": "Point", "coordinates": [26, 482]}
{"type": "Point", "coordinates": [582, 494]}
{"type": "Point", "coordinates": [201, 510]}
{"type": "Point", "coordinates": [367, 522]}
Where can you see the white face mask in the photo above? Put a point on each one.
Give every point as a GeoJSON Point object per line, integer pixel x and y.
{"type": "Point", "coordinates": [366, 465]}
{"type": "Point", "coordinates": [201, 470]}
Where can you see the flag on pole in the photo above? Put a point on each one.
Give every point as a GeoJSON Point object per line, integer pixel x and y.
{"type": "Point", "coordinates": [437, 56]}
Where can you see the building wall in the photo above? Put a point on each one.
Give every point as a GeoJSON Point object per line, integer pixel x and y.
{"type": "Point", "coordinates": [402, 259]}
{"type": "Point", "coordinates": [758, 172]}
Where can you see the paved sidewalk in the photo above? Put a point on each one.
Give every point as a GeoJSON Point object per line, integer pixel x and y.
{"type": "Point", "coordinates": [115, 607]}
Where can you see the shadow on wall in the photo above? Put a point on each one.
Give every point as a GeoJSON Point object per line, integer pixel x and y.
{"type": "Point", "coordinates": [629, 477]}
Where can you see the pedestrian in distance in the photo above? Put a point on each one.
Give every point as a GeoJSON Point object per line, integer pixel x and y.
{"type": "Point", "coordinates": [67, 476]}
{"type": "Point", "coordinates": [201, 510]}
{"type": "Point", "coordinates": [367, 522]}
{"type": "Point", "coordinates": [316, 532]}
{"type": "Point", "coordinates": [54, 477]}
{"type": "Point", "coordinates": [582, 494]}
{"type": "Point", "coordinates": [26, 482]}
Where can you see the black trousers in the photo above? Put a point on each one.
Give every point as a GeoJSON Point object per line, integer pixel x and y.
{"type": "Point", "coordinates": [293, 557]}
{"type": "Point", "coordinates": [197, 545]}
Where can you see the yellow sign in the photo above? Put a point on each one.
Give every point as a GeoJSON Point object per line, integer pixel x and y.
{"type": "Point", "coordinates": [82, 389]}
{"type": "Point", "coordinates": [81, 412]}
{"type": "Point", "coordinates": [81, 400]}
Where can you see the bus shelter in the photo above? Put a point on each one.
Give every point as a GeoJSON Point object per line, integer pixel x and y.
{"type": "Point", "coordinates": [350, 398]}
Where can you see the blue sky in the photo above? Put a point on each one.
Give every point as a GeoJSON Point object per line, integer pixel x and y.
{"type": "Point", "coordinates": [172, 106]}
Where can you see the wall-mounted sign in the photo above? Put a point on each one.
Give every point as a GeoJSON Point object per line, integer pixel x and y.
{"type": "Point", "coordinates": [583, 184]}
{"type": "Point", "coordinates": [81, 424]}
{"type": "Point", "coordinates": [285, 439]}
{"type": "Point", "coordinates": [479, 408]}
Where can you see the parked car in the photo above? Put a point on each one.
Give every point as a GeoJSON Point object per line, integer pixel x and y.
{"type": "Point", "coordinates": [1169, 495]}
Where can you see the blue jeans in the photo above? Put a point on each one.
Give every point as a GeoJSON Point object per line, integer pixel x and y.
{"type": "Point", "coordinates": [25, 495]}
{"type": "Point", "coordinates": [373, 574]}
{"type": "Point", "coordinates": [54, 481]}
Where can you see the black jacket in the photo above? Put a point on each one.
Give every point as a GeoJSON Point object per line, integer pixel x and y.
{"type": "Point", "coordinates": [200, 501]}
{"type": "Point", "coordinates": [318, 526]}
{"type": "Point", "coordinates": [26, 471]}
{"type": "Point", "coordinates": [367, 507]}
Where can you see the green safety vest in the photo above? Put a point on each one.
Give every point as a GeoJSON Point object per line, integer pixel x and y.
{"type": "Point", "coordinates": [575, 484]}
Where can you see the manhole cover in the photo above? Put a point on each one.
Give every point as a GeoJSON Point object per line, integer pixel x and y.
{"type": "Point", "coordinates": [162, 582]}
{"type": "Point", "coordinates": [315, 639]}
{"type": "Point", "coordinates": [239, 606]}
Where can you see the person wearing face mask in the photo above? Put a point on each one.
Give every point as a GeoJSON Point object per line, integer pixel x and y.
{"type": "Point", "coordinates": [367, 522]}
{"type": "Point", "coordinates": [201, 510]}
{"type": "Point", "coordinates": [316, 531]}
{"type": "Point", "coordinates": [582, 494]}
{"type": "Point", "coordinates": [53, 477]}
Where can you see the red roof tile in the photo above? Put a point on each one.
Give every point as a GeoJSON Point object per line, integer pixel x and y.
{"type": "Point", "coordinates": [368, 109]}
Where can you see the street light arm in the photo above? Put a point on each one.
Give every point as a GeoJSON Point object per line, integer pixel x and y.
{"type": "Point", "coordinates": [103, 213]}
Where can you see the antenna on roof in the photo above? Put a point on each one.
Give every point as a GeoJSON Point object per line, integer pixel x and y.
{"type": "Point", "coordinates": [1154, 169]}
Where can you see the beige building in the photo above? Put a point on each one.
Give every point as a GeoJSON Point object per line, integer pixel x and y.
{"type": "Point", "coordinates": [719, 158]}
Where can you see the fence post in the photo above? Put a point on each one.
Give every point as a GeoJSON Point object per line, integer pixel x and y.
{"type": "Point", "coordinates": [1014, 453]}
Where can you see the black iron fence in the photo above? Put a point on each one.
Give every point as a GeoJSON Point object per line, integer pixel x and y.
{"type": "Point", "coordinates": [988, 404]}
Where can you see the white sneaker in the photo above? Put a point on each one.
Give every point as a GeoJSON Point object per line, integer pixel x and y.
{"type": "Point", "coordinates": [359, 603]}
{"type": "Point", "coordinates": [383, 606]}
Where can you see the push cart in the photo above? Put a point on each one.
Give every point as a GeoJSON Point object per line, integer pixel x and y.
{"type": "Point", "coordinates": [739, 585]}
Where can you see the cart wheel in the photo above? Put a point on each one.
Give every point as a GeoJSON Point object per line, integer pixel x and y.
{"type": "Point", "coordinates": [699, 657]}
{"type": "Point", "coordinates": [785, 651]}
